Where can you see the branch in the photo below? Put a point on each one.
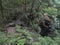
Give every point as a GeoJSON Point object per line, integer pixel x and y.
{"type": "Point", "coordinates": [1, 8]}
{"type": "Point", "coordinates": [25, 5]}
{"type": "Point", "coordinates": [32, 6]}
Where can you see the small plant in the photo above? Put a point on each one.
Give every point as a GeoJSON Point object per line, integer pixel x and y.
{"type": "Point", "coordinates": [21, 41]}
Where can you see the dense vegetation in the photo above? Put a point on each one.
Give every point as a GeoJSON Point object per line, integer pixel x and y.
{"type": "Point", "coordinates": [20, 22]}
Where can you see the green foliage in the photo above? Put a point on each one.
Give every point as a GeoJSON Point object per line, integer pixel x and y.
{"type": "Point", "coordinates": [29, 37]}
{"type": "Point", "coordinates": [51, 10]}
{"type": "Point", "coordinates": [45, 41]}
{"type": "Point", "coordinates": [21, 10]}
{"type": "Point", "coordinates": [21, 42]}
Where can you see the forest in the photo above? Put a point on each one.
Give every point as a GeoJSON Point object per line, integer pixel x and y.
{"type": "Point", "coordinates": [29, 22]}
